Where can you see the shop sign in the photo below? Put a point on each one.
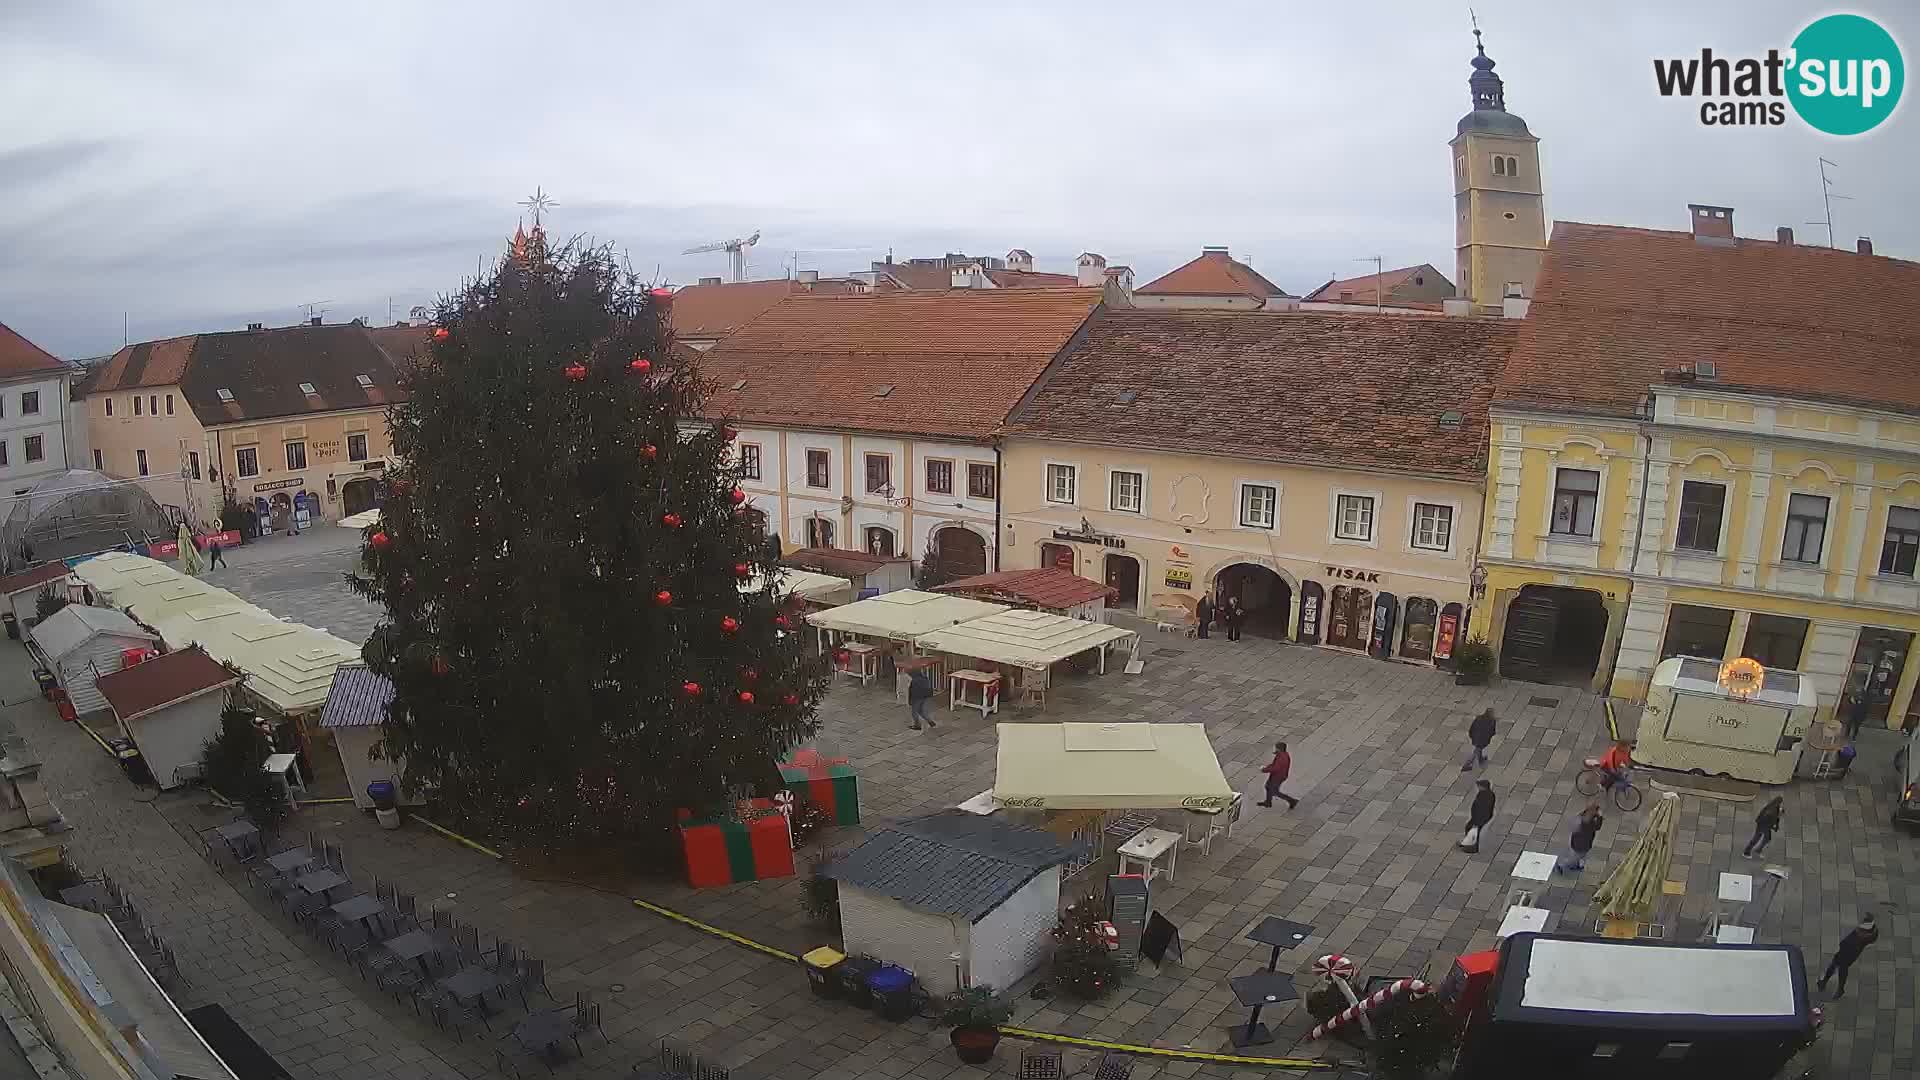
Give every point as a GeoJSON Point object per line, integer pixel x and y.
{"type": "Point", "coordinates": [1179, 577]}
{"type": "Point", "coordinates": [373, 466]}
{"type": "Point", "coordinates": [1342, 573]}
{"type": "Point", "coordinates": [169, 549]}
{"type": "Point", "coordinates": [1178, 554]}
{"type": "Point", "coordinates": [276, 485]}
{"type": "Point", "coordinates": [1443, 638]}
{"type": "Point", "coordinates": [1087, 536]}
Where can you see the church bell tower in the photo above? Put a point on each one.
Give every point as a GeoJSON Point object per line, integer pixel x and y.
{"type": "Point", "coordinates": [1500, 220]}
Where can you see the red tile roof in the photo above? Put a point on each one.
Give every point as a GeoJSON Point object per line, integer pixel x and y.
{"type": "Point", "coordinates": [1360, 290]}
{"type": "Point", "coordinates": [401, 340]}
{"type": "Point", "coordinates": [714, 311]}
{"type": "Point", "coordinates": [1032, 279]}
{"type": "Point", "coordinates": [1359, 391]}
{"type": "Point", "coordinates": [18, 356]}
{"type": "Point", "coordinates": [1048, 587]}
{"type": "Point", "coordinates": [1616, 306]}
{"type": "Point", "coordinates": [956, 360]}
{"type": "Point", "coordinates": [1214, 273]}
{"type": "Point", "coordinates": [263, 370]}
{"type": "Point", "coordinates": [143, 364]}
{"type": "Point", "coordinates": [162, 681]}
{"type": "Point", "coordinates": [919, 278]}
{"type": "Point", "coordinates": [33, 579]}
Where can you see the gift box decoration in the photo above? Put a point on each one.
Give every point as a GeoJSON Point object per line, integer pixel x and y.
{"type": "Point", "coordinates": [828, 783]}
{"type": "Point", "coordinates": [725, 851]}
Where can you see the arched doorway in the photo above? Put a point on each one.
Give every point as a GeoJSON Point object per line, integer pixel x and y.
{"type": "Point", "coordinates": [959, 552]}
{"type": "Point", "coordinates": [1349, 617]}
{"type": "Point", "coordinates": [1123, 576]}
{"type": "Point", "coordinates": [1554, 634]}
{"type": "Point", "coordinates": [359, 496]}
{"type": "Point", "coordinates": [1265, 595]}
{"type": "Point", "coordinates": [1058, 555]}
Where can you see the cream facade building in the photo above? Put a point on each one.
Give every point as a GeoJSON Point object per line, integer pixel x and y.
{"type": "Point", "coordinates": [1500, 220]}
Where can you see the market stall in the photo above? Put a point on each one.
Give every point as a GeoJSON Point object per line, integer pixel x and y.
{"type": "Point", "coordinates": [79, 644]}
{"type": "Point", "coordinates": [891, 619]}
{"type": "Point", "coordinates": [821, 590]}
{"type": "Point", "coordinates": [868, 573]}
{"type": "Point", "coordinates": [1109, 767]}
{"type": "Point", "coordinates": [360, 520]}
{"type": "Point", "coordinates": [170, 707]}
{"type": "Point", "coordinates": [1031, 641]}
{"type": "Point", "coordinates": [1049, 588]}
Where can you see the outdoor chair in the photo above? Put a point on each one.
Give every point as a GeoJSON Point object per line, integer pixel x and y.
{"type": "Point", "coordinates": [533, 972]}
{"type": "Point", "coordinates": [400, 979]}
{"type": "Point", "coordinates": [467, 940]}
{"type": "Point", "coordinates": [383, 891]}
{"type": "Point", "coordinates": [1114, 1066]}
{"type": "Point", "coordinates": [403, 903]}
{"type": "Point", "coordinates": [334, 858]}
{"type": "Point", "coordinates": [1041, 1064]}
{"type": "Point", "coordinates": [584, 1018]}
{"type": "Point", "coordinates": [442, 919]}
{"type": "Point", "coordinates": [376, 962]}
{"type": "Point", "coordinates": [447, 1013]}
{"type": "Point", "coordinates": [346, 938]}
{"type": "Point", "coordinates": [506, 960]}
{"type": "Point", "coordinates": [511, 1056]}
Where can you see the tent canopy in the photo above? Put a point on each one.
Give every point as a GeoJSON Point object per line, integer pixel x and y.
{"type": "Point", "coordinates": [1033, 640]}
{"type": "Point", "coordinates": [360, 520]}
{"type": "Point", "coordinates": [807, 585]}
{"type": "Point", "coordinates": [1109, 766]}
{"type": "Point", "coordinates": [78, 511]}
{"type": "Point", "coordinates": [902, 615]}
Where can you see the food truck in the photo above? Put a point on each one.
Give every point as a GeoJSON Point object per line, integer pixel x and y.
{"type": "Point", "coordinates": [1734, 719]}
{"type": "Point", "coordinates": [1570, 1007]}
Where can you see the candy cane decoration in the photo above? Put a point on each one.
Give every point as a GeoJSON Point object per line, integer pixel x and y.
{"type": "Point", "coordinates": [1334, 966]}
{"type": "Point", "coordinates": [1410, 987]}
{"type": "Point", "coordinates": [783, 800]}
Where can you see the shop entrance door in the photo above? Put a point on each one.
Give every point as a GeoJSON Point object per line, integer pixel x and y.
{"type": "Point", "coordinates": [1123, 575]}
{"type": "Point", "coordinates": [1878, 662]}
{"type": "Point", "coordinates": [1417, 641]}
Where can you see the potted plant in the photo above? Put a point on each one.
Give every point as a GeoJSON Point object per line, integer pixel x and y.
{"type": "Point", "coordinates": [975, 1014]}
{"type": "Point", "coordinates": [1473, 664]}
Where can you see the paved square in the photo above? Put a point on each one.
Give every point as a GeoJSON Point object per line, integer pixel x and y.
{"type": "Point", "coordinates": [1368, 859]}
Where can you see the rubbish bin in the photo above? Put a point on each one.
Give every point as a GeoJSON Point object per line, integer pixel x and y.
{"type": "Point", "coordinates": [13, 624]}
{"type": "Point", "coordinates": [853, 972]}
{"type": "Point", "coordinates": [892, 992]}
{"type": "Point", "coordinates": [47, 682]}
{"type": "Point", "coordinates": [821, 974]}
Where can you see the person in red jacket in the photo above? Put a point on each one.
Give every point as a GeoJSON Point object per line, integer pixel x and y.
{"type": "Point", "coordinates": [1276, 771]}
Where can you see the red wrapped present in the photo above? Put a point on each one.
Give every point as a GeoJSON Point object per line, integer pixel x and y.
{"type": "Point", "coordinates": [722, 852]}
{"type": "Point", "coordinates": [828, 783]}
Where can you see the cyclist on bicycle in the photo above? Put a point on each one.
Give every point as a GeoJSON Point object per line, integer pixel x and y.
{"type": "Point", "coordinates": [1614, 766]}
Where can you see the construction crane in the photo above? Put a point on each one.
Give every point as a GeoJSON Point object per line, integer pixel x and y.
{"type": "Point", "coordinates": [736, 249]}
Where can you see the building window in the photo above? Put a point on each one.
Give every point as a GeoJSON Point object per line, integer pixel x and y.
{"type": "Point", "coordinates": [193, 463]}
{"type": "Point", "coordinates": [1432, 526]}
{"type": "Point", "coordinates": [296, 455]}
{"type": "Point", "coordinates": [979, 480]}
{"type": "Point", "coordinates": [246, 461]}
{"type": "Point", "coordinates": [1259, 505]}
{"type": "Point", "coordinates": [1898, 553]}
{"type": "Point", "coordinates": [819, 471]}
{"type": "Point", "coordinates": [1060, 483]}
{"type": "Point", "coordinates": [1127, 491]}
{"type": "Point", "coordinates": [1353, 517]}
{"type": "Point", "coordinates": [879, 541]}
{"type": "Point", "coordinates": [30, 403]}
{"type": "Point", "coordinates": [109, 406]}
{"type": "Point", "coordinates": [140, 461]}
{"type": "Point", "coordinates": [1776, 641]}
{"type": "Point", "coordinates": [1576, 497]}
{"type": "Point", "coordinates": [819, 532]}
{"type": "Point", "coordinates": [139, 406]}
{"type": "Point", "coordinates": [1701, 507]}
{"type": "Point", "coordinates": [357, 447]}
{"type": "Point", "coordinates": [939, 477]}
{"type": "Point", "coordinates": [153, 404]}
{"type": "Point", "coordinates": [36, 448]}
{"type": "Point", "coordinates": [1697, 631]}
{"type": "Point", "coordinates": [1806, 529]}
{"type": "Point", "coordinates": [99, 461]}
{"type": "Point", "coordinates": [749, 461]}
{"type": "Point", "coordinates": [879, 474]}
{"type": "Point", "coordinates": [1499, 165]}
{"type": "Point", "coordinates": [169, 404]}
{"type": "Point", "coordinates": [3, 451]}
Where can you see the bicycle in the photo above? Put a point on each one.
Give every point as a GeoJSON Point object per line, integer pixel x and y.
{"type": "Point", "coordinates": [1625, 795]}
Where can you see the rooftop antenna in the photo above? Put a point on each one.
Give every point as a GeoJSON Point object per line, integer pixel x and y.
{"type": "Point", "coordinates": [1827, 196]}
{"type": "Point", "coordinates": [1378, 262]}
{"type": "Point", "coordinates": [315, 306]}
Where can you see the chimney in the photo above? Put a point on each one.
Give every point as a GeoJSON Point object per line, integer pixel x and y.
{"type": "Point", "coordinates": [256, 326]}
{"type": "Point", "coordinates": [808, 277]}
{"type": "Point", "coordinates": [709, 281]}
{"type": "Point", "coordinates": [1514, 307]}
{"type": "Point", "coordinates": [1093, 269]}
{"type": "Point", "coordinates": [1865, 246]}
{"type": "Point", "coordinates": [1712, 224]}
{"type": "Point", "coordinates": [1785, 236]}
{"type": "Point", "coordinates": [1456, 307]}
{"type": "Point", "coordinates": [314, 321]}
{"type": "Point", "coordinates": [1119, 282]}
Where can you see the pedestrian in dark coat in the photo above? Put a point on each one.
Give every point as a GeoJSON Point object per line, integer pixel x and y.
{"type": "Point", "coordinates": [1851, 947]}
{"type": "Point", "coordinates": [1235, 615]}
{"type": "Point", "coordinates": [1478, 817]}
{"type": "Point", "coordinates": [919, 693]}
{"type": "Point", "coordinates": [1764, 826]}
{"type": "Point", "coordinates": [1862, 705]}
{"type": "Point", "coordinates": [1480, 734]}
{"type": "Point", "coordinates": [213, 554]}
{"type": "Point", "coordinates": [1585, 827]}
{"type": "Point", "coordinates": [1204, 612]}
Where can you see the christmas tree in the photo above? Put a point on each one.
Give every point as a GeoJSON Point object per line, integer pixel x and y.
{"type": "Point", "coordinates": [1083, 966]}
{"type": "Point", "coordinates": [564, 555]}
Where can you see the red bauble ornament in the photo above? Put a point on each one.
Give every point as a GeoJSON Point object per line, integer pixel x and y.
{"type": "Point", "coordinates": [746, 697]}
{"type": "Point", "coordinates": [649, 452]}
{"type": "Point", "coordinates": [748, 674]}
{"type": "Point", "coordinates": [690, 688]}
{"type": "Point", "coordinates": [729, 434]}
{"type": "Point", "coordinates": [781, 622]}
{"type": "Point", "coordinates": [742, 570]}
{"type": "Point", "coordinates": [737, 496]}
{"type": "Point", "coordinates": [440, 333]}
{"type": "Point", "coordinates": [380, 541]}
{"type": "Point", "coordinates": [729, 624]}
{"type": "Point", "coordinates": [663, 598]}
{"type": "Point", "coordinates": [841, 656]}
{"type": "Point", "coordinates": [790, 699]}
{"type": "Point", "coordinates": [661, 296]}
{"type": "Point", "coordinates": [640, 366]}
{"type": "Point", "coordinates": [670, 519]}
{"type": "Point", "coordinates": [576, 372]}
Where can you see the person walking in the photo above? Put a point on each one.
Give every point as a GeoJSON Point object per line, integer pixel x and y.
{"type": "Point", "coordinates": [1480, 734]}
{"type": "Point", "coordinates": [1478, 816]}
{"type": "Point", "coordinates": [1857, 715]}
{"type": "Point", "coordinates": [1277, 771]}
{"type": "Point", "coordinates": [1204, 612]}
{"type": "Point", "coordinates": [1234, 615]}
{"type": "Point", "coordinates": [919, 692]}
{"type": "Point", "coordinates": [214, 558]}
{"type": "Point", "coordinates": [1585, 827]}
{"type": "Point", "coordinates": [1851, 947]}
{"type": "Point", "coordinates": [1764, 826]}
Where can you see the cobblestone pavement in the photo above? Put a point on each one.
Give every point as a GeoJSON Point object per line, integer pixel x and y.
{"type": "Point", "coordinates": [1367, 858]}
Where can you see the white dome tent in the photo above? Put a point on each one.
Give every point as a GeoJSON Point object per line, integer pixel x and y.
{"type": "Point", "coordinates": [79, 512]}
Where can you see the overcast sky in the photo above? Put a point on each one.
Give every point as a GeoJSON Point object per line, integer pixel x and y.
{"type": "Point", "coordinates": [193, 166]}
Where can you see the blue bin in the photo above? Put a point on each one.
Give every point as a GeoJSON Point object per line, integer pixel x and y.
{"type": "Point", "coordinates": [892, 989]}
{"type": "Point", "coordinates": [383, 794]}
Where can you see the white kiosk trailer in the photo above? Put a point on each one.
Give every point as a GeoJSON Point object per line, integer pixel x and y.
{"type": "Point", "coordinates": [1732, 719]}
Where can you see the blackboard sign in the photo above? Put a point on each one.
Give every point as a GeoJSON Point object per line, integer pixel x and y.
{"type": "Point", "coordinates": [1161, 936]}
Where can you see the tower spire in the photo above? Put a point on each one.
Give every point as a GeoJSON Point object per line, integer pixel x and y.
{"type": "Point", "coordinates": [1489, 93]}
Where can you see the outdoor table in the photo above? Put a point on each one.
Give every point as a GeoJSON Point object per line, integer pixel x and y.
{"type": "Point", "coordinates": [359, 908]}
{"type": "Point", "coordinates": [1531, 870]}
{"type": "Point", "coordinates": [1206, 822]}
{"type": "Point", "coordinates": [1147, 848]}
{"type": "Point", "coordinates": [286, 768]}
{"type": "Point", "coordinates": [90, 895]}
{"type": "Point", "coordinates": [863, 662]}
{"type": "Point", "coordinates": [291, 859]}
{"type": "Point", "coordinates": [1257, 991]}
{"type": "Point", "coordinates": [413, 945]}
{"type": "Point", "coordinates": [472, 982]}
{"type": "Point", "coordinates": [320, 881]}
{"type": "Point", "coordinates": [1522, 920]}
{"type": "Point", "coordinates": [1736, 888]}
{"type": "Point", "coordinates": [236, 834]}
{"type": "Point", "coordinates": [1279, 933]}
{"type": "Point", "coordinates": [1729, 934]}
{"type": "Point", "coordinates": [987, 681]}
{"type": "Point", "coordinates": [544, 1030]}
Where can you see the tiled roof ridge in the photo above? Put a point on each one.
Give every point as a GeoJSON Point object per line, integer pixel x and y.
{"type": "Point", "coordinates": [1722, 320]}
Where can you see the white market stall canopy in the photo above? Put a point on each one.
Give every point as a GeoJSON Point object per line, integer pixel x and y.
{"type": "Point", "coordinates": [903, 615]}
{"type": "Point", "coordinates": [1033, 640]}
{"type": "Point", "coordinates": [115, 571]}
{"type": "Point", "coordinates": [360, 520]}
{"type": "Point", "coordinates": [1108, 766]}
{"type": "Point", "coordinates": [806, 584]}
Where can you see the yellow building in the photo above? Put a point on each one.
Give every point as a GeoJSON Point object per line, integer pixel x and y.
{"type": "Point", "coordinates": [1710, 446]}
{"type": "Point", "coordinates": [1325, 469]}
{"type": "Point", "coordinates": [277, 418]}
